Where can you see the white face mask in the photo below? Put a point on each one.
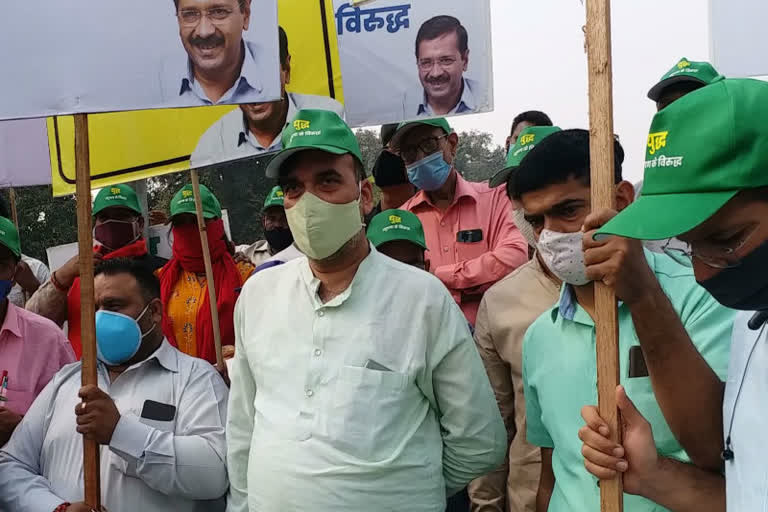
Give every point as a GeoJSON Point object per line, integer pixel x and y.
{"type": "Point", "coordinates": [321, 228]}
{"type": "Point", "coordinates": [518, 217]}
{"type": "Point", "coordinates": [563, 253]}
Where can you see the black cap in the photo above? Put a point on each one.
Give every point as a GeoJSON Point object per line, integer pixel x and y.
{"type": "Point", "coordinates": [389, 170]}
{"type": "Point", "coordinates": [387, 131]}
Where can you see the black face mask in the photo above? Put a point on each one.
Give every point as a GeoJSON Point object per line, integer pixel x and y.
{"type": "Point", "coordinates": [744, 287]}
{"type": "Point", "coordinates": [279, 238]}
{"type": "Point", "coordinates": [389, 170]}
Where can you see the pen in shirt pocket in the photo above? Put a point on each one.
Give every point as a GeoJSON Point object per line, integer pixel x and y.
{"type": "Point", "coordinates": [373, 365]}
{"type": "Point", "coordinates": [4, 386]}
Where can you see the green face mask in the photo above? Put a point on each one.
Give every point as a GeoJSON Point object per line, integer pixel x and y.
{"type": "Point", "coordinates": [321, 228]}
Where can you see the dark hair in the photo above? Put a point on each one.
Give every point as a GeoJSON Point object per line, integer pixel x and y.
{"type": "Point", "coordinates": [4, 210]}
{"type": "Point", "coordinates": [556, 159]}
{"type": "Point", "coordinates": [242, 3]}
{"type": "Point", "coordinates": [678, 88]}
{"type": "Point", "coordinates": [148, 282]}
{"type": "Point", "coordinates": [283, 38]}
{"type": "Point", "coordinates": [535, 117]}
{"type": "Point", "coordinates": [441, 25]}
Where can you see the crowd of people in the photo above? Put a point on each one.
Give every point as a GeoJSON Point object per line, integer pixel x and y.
{"type": "Point", "coordinates": [435, 351]}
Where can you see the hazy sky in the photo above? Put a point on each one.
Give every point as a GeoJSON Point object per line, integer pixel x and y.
{"type": "Point", "coordinates": [539, 63]}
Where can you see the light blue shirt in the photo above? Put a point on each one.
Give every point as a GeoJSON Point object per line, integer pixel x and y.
{"type": "Point", "coordinates": [179, 87]}
{"type": "Point", "coordinates": [416, 104]}
{"type": "Point", "coordinates": [560, 377]}
{"type": "Point", "coordinates": [745, 418]}
{"type": "Point", "coordinates": [149, 465]}
{"type": "Point", "coordinates": [375, 400]}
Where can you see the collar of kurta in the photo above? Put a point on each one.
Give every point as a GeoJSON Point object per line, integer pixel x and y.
{"type": "Point", "coordinates": [463, 189]}
{"type": "Point", "coordinates": [312, 283]}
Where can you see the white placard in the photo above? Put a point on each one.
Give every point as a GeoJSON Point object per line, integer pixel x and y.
{"type": "Point", "coordinates": [75, 56]}
{"type": "Point", "coordinates": [739, 41]}
{"type": "Point", "coordinates": [387, 78]}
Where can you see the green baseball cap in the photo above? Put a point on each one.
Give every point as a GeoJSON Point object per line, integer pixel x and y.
{"type": "Point", "coordinates": [405, 127]}
{"type": "Point", "coordinates": [392, 225]}
{"type": "Point", "coordinates": [315, 129]}
{"type": "Point", "coordinates": [702, 150]}
{"type": "Point", "coordinates": [685, 71]}
{"type": "Point", "coordinates": [275, 198]}
{"type": "Point", "coordinates": [525, 143]}
{"type": "Point", "coordinates": [9, 236]}
{"type": "Point", "coordinates": [122, 196]}
{"type": "Point", "coordinates": [184, 202]}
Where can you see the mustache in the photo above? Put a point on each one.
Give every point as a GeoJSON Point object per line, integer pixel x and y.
{"type": "Point", "coordinates": [438, 80]}
{"type": "Point", "coordinates": [210, 41]}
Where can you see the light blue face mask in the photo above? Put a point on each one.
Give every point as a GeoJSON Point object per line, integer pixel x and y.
{"type": "Point", "coordinates": [429, 173]}
{"type": "Point", "coordinates": [118, 336]}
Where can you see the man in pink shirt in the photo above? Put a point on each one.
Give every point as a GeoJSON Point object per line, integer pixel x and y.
{"type": "Point", "coordinates": [472, 240]}
{"type": "Point", "coordinates": [32, 348]}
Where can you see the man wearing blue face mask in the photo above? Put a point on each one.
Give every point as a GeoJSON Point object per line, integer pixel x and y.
{"type": "Point", "coordinates": [158, 414]}
{"type": "Point", "coordinates": [472, 241]}
{"type": "Point", "coordinates": [661, 306]}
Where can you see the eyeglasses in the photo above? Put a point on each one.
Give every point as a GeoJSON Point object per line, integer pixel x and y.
{"type": "Point", "coordinates": [713, 256]}
{"type": "Point", "coordinates": [191, 17]}
{"type": "Point", "coordinates": [426, 146]}
{"type": "Point", "coordinates": [443, 62]}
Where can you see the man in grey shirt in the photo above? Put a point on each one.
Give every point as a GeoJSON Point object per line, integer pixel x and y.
{"type": "Point", "coordinates": [222, 67]}
{"type": "Point", "coordinates": [158, 414]}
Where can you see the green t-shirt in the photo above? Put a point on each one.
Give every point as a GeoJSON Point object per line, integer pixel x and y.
{"type": "Point", "coordinates": [560, 377]}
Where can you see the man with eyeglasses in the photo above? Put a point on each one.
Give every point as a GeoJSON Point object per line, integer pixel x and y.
{"type": "Point", "coordinates": [442, 57]}
{"type": "Point", "coordinates": [715, 198]}
{"type": "Point", "coordinates": [472, 240]}
{"type": "Point", "coordinates": [222, 67]}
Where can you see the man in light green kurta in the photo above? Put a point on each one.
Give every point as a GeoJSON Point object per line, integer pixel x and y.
{"type": "Point", "coordinates": [356, 384]}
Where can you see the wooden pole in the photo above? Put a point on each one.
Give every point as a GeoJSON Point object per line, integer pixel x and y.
{"type": "Point", "coordinates": [208, 269]}
{"type": "Point", "coordinates": [14, 211]}
{"type": "Point", "coordinates": [91, 467]}
{"type": "Point", "coordinates": [603, 196]}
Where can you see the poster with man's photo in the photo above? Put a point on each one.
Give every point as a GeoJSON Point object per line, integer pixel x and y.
{"type": "Point", "coordinates": [86, 56]}
{"type": "Point", "coordinates": [128, 146]}
{"type": "Point", "coordinates": [405, 59]}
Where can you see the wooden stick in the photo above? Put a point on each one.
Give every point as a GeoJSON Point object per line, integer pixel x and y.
{"type": "Point", "coordinates": [603, 196]}
{"type": "Point", "coordinates": [91, 467]}
{"type": "Point", "coordinates": [208, 269]}
{"type": "Point", "coordinates": [14, 212]}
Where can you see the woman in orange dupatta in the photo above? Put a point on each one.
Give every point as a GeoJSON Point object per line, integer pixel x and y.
{"type": "Point", "coordinates": [183, 286]}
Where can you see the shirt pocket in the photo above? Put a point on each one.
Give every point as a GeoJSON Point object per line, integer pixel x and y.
{"type": "Point", "coordinates": [364, 410]}
{"type": "Point", "coordinates": [471, 250]}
